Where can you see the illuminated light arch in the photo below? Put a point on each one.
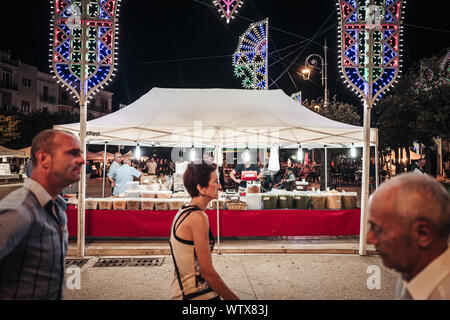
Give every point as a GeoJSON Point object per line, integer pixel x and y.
{"type": "Point", "coordinates": [251, 56]}
{"type": "Point", "coordinates": [370, 35]}
{"type": "Point", "coordinates": [84, 33]}
{"type": "Point", "coordinates": [228, 8]}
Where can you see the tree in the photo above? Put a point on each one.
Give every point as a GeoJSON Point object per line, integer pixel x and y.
{"type": "Point", "coordinates": [8, 129]}
{"type": "Point", "coordinates": [21, 131]}
{"type": "Point", "coordinates": [336, 110]}
{"type": "Point", "coordinates": [418, 109]}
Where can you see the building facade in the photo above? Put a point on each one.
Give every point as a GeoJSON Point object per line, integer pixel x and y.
{"type": "Point", "coordinates": [24, 87]}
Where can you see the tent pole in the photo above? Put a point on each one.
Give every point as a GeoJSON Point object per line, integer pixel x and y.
{"type": "Point", "coordinates": [104, 172]}
{"type": "Point", "coordinates": [377, 169]}
{"type": "Point", "coordinates": [326, 168]}
{"type": "Point", "coordinates": [82, 184]}
{"type": "Point", "coordinates": [217, 207]}
{"type": "Point", "coordinates": [365, 180]}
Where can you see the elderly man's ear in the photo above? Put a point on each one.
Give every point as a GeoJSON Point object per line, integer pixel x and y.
{"type": "Point", "coordinates": [423, 232]}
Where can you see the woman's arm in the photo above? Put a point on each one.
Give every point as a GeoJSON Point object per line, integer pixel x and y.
{"type": "Point", "coordinates": [200, 232]}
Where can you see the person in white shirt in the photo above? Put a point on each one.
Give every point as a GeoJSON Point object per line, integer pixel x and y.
{"type": "Point", "coordinates": [409, 218]}
{"type": "Point", "coordinates": [113, 167]}
{"type": "Point", "coordinates": [125, 173]}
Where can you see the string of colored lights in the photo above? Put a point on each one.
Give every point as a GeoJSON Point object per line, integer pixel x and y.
{"type": "Point", "coordinates": [370, 35]}
{"type": "Point", "coordinates": [250, 58]}
{"type": "Point", "coordinates": [84, 33]}
{"type": "Point", "coordinates": [228, 8]}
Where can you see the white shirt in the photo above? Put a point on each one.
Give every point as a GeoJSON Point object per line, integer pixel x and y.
{"type": "Point", "coordinates": [433, 282]}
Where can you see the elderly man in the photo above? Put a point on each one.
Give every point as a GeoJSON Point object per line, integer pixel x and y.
{"type": "Point", "coordinates": [33, 221]}
{"type": "Point", "coordinates": [409, 226]}
{"type": "Point", "coordinates": [123, 175]}
{"type": "Point", "coordinates": [113, 167]}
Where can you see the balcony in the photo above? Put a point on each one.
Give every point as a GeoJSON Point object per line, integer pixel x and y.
{"type": "Point", "coordinates": [8, 85]}
{"type": "Point", "coordinates": [48, 99]}
{"type": "Point", "coordinates": [68, 103]}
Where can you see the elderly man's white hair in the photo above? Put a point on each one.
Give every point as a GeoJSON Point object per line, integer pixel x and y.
{"type": "Point", "coordinates": [419, 196]}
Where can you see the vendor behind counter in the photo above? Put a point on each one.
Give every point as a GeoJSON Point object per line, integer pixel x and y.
{"type": "Point", "coordinates": [246, 166]}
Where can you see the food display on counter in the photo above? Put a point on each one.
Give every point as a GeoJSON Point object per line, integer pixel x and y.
{"type": "Point", "coordinates": [235, 205]}
{"type": "Point", "coordinates": [91, 204]}
{"type": "Point", "coordinates": [286, 201]}
{"type": "Point", "coordinates": [164, 195]}
{"type": "Point", "coordinates": [162, 204]}
{"type": "Point", "coordinates": [148, 194]}
{"type": "Point", "coordinates": [147, 179]}
{"type": "Point", "coordinates": [318, 201]}
{"type": "Point", "coordinates": [349, 200]}
{"type": "Point", "coordinates": [333, 200]}
{"type": "Point", "coordinates": [105, 204]}
{"type": "Point", "coordinates": [270, 201]}
{"type": "Point", "coordinates": [119, 204]}
{"type": "Point", "coordinates": [253, 188]}
{"type": "Point", "coordinates": [133, 204]}
{"type": "Point", "coordinates": [302, 201]}
{"type": "Point", "coordinates": [153, 196]}
{"type": "Point", "coordinates": [148, 204]}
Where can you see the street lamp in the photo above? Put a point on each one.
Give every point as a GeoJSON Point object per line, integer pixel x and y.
{"type": "Point", "coordinates": [311, 62]}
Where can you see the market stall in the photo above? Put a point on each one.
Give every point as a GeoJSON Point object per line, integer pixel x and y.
{"type": "Point", "coordinates": [224, 118]}
{"type": "Point", "coordinates": [6, 155]}
{"type": "Point", "coordinates": [148, 213]}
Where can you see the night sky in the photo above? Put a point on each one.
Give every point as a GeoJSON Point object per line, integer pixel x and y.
{"type": "Point", "coordinates": [155, 34]}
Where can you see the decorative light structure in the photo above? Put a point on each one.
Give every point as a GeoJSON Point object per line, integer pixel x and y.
{"type": "Point", "coordinates": [228, 8]}
{"type": "Point", "coordinates": [83, 56]}
{"type": "Point", "coordinates": [251, 57]}
{"type": "Point", "coordinates": [297, 96]}
{"type": "Point", "coordinates": [370, 41]}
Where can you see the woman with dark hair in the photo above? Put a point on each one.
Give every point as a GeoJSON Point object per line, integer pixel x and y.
{"type": "Point", "coordinates": [191, 240]}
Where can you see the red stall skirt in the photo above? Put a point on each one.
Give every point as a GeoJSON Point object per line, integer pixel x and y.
{"type": "Point", "coordinates": [233, 223]}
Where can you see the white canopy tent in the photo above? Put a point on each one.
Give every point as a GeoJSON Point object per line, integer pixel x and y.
{"type": "Point", "coordinates": [226, 117]}
{"type": "Point", "coordinates": [222, 118]}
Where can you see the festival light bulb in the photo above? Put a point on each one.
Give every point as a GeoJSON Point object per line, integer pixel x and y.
{"type": "Point", "coordinates": [137, 152]}
{"type": "Point", "coordinates": [353, 151]}
{"type": "Point", "coordinates": [300, 153]}
{"type": "Point", "coordinates": [192, 154]}
{"type": "Point", "coordinates": [246, 155]}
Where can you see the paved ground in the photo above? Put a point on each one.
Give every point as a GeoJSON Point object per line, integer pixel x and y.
{"type": "Point", "coordinates": [251, 277]}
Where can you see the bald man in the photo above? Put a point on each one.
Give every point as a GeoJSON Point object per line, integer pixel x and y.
{"type": "Point", "coordinates": [113, 167]}
{"type": "Point", "coordinates": [125, 173]}
{"type": "Point", "coordinates": [33, 221]}
{"type": "Point", "coordinates": [409, 218]}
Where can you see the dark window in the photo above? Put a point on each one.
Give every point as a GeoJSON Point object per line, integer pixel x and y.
{"type": "Point", "coordinates": [26, 82]}
{"type": "Point", "coordinates": [45, 92]}
{"type": "Point", "coordinates": [25, 106]}
{"type": "Point", "coordinates": [104, 106]}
